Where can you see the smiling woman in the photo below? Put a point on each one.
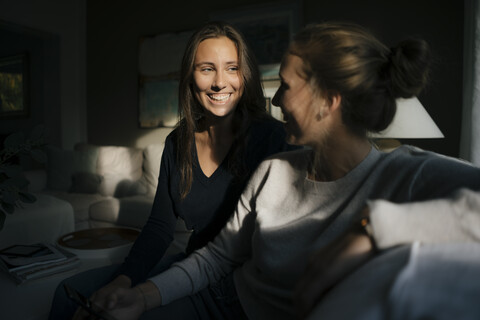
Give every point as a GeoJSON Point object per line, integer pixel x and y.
{"type": "Point", "coordinates": [223, 134]}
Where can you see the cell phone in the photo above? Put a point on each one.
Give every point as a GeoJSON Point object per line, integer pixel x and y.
{"type": "Point", "coordinates": [86, 304]}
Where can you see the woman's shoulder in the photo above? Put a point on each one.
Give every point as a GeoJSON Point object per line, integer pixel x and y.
{"type": "Point", "coordinates": [297, 158]}
{"type": "Point", "coordinates": [287, 166]}
{"type": "Point", "coordinates": [171, 140]}
{"type": "Point", "coordinates": [413, 159]}
{"type": "Point", "coordinates": [414, 154]}
{"type": "Point", "coordinates": [266, 125]}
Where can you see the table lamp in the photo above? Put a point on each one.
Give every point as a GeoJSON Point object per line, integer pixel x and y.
{"type": "Point", "coordinates": [411, 121]}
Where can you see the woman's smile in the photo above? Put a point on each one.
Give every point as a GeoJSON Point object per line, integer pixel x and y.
{"type": "Point", "coordinates": [219, 98]}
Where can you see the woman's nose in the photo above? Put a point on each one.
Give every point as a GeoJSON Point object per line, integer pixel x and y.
{"type": "Point", "coordinates": [219, 81]}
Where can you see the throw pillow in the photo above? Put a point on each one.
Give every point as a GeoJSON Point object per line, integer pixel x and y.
{"type": "Point", "coordinates": [85, 182]}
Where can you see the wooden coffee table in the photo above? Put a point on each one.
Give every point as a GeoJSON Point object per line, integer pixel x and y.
{"type": "Point", "coordinates": [111, 244]}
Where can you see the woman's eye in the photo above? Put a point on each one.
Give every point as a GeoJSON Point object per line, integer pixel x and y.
{"type": "Point", "coordinates": [232, 69]}
{"type": "Point", "coordinates": [206, 69]}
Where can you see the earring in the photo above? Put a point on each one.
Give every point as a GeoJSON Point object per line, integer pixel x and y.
{"type": "Point", "coordinates": [320, 115]}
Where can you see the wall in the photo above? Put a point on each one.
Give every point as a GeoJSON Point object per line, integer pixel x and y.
{"type": "Point", "coordinates": [58, 101]}
{"type": "Point", "coordinates": [43, 103]}
{"type": "Point", "coordinates": [114, 28]}
{"type": "Point", "coordinates": [113, 32]}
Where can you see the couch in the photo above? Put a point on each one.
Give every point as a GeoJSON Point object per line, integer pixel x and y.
{"type": "Point", "coordinates": [106, 185]}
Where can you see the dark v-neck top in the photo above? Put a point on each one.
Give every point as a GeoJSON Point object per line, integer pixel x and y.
{"type": "Point", "coordinates": [208, 205]}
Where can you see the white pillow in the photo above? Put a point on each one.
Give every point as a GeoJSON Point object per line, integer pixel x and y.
{"type": "Point", "coordinates": [121, 168]}
{"type": "Point", "coordinates": [152, 156]}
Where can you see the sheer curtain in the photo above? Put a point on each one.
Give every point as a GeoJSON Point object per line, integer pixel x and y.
{"type": "Point", "coordinates": [470, 142]}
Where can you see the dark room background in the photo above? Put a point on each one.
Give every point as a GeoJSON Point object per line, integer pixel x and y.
{"type": "Point", "coordinates": [105, 83]}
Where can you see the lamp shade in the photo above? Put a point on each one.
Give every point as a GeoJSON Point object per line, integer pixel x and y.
{"type": "Point", "coordinates": [411, 121]}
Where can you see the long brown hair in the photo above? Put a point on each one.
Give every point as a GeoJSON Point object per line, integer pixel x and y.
{"type": "Point", "coordinates": [250, 106]}
{"type": "Point", "coordinates": [346, 59]}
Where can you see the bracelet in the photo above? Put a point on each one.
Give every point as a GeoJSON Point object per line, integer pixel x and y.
{"type": "Point", "coordinates": [144, 298]}
{"type": "Point", "coordinates": [367, 228]}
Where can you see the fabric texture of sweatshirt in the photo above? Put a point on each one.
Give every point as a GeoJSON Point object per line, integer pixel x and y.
{"type": "Point", "coordinates": [283, 217]}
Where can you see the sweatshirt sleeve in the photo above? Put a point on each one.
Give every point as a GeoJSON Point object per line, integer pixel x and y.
{"type": "Point", "coordinates": [452, 219]}
{"type": "Point", "coordinates": [230, 249]}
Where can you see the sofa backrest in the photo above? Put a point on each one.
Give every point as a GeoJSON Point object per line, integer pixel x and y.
{"type": "Point", "coordinates": [108, 170]}
{"type": "Point", "coordinates": [152, 156]}
{"type": "Point", "coordinates": [121, 169]}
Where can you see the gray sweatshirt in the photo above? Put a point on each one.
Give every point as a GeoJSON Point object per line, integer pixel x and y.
{"type": "Point", "coordinates": [282, 217]}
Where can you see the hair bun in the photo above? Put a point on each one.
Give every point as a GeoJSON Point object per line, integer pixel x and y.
{"type": "Point", "coordinates": [408, 65]}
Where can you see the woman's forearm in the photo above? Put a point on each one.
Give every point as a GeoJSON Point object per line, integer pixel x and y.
{"type": "Point", "coordinates": [151, 295]}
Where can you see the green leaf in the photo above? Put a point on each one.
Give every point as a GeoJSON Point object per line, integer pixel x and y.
{"type": "Point", "coordinates": [9, 197]}
{"type": "Point", "coordinates": [18, 181]}
{"type": "Point", "coordinates": [8, 208]}
{"type": "Point", "coordinates": [12, 170]}
{"type": "Point", "coordinates": [38, 155]}
{"type": "Point", "coordinates": [2, 219]}
{"type": "Point", "coordinates": [14, 140]}
{"type": "Point", "coordinates": [26, 197]}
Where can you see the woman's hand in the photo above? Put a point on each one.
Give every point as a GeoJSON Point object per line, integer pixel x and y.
{"type": "Point", "coordinates": [126, 304]}
{"type": "Point", "coordinates": [130, 303]}
{"type": "Point", "coordinates": [330, 265]}
{"type": "Point", "coordinates": [100, 298]}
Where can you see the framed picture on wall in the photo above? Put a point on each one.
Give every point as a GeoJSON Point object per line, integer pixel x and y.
{"type": "Point", "coordinates": [268, 28]}
{"type": "Point", "coordinates": [158, 102]}
{"type": "Point", "coordinates": [159, 62]}
{"type": "Point", "coordinates": [14, 98]}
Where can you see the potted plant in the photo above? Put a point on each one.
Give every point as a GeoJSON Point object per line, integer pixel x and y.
{"type": "Point", "coordinates": [13, 184]}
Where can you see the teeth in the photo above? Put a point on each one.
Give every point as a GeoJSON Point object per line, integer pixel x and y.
{"type": "Point", "coordinates": [219, 97]}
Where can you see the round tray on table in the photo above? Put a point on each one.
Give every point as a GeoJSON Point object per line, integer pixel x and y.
{"type": "Point", "coordinates": [100, 243]}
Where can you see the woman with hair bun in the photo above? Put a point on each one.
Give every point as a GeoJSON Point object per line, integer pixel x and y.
{"type": "Point", "coordinates": [338, 82]}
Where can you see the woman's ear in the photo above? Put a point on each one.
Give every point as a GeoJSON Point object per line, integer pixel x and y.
{"type": "Point", "coordinates": [335, 100]}
{"type": "Point", "coordinates": [329, 105]}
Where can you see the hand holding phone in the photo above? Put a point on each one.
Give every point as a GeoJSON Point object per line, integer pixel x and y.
{"type": "Point", "coordinates": [87, 305]}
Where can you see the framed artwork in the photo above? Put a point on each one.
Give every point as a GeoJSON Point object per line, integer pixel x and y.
{"type": "Point", "coordinates": [268, 29]}
{"type": "Point", "coordinates": [158, 102]}
{"type": "Point", "coordinates": [14, 98]}
{"type": "Point", "coordinates": [159, 63]}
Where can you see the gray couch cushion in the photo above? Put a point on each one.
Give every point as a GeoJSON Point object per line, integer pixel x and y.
{"type": "Point", "coordinates": [79, 201]}
{"type": "Point", "coordinates": [129, 211]}
{"type": "Point", "coordinates": [85, 182]}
